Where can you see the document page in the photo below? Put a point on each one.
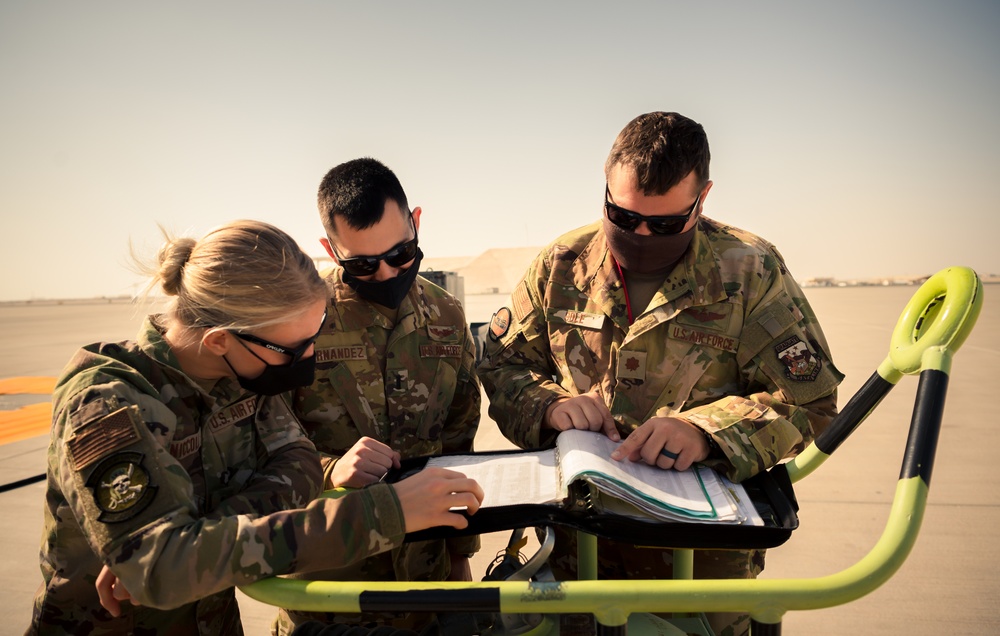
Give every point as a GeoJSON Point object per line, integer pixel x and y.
{"type": "Point", "coordinates": [507, 480]}
{"type": "Point", "coordinates": [587, 454]}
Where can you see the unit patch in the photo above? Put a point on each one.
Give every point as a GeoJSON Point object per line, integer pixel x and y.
{"type": "Point", "coordinates": [801, 363]}
{"type": "Point", "coordinates": [121, 487]}
{"type": "Point", "coordinates": [500, 324]}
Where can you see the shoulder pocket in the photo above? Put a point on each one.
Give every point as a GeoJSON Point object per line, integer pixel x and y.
{"type": "Point", "coordinates": [789, 355]}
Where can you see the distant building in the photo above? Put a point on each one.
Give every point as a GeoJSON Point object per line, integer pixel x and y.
{"type": "Point", "coordinates": [495, 271]}
{"type": "Point", "coordinates": [820, 282]}
{"type": "Point", "coordinates": [449, 281]}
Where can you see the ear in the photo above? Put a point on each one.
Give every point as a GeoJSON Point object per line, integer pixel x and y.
{"type": "Point", "coordinates": [329, 249]}
{"type": "Point", "coordinates": [703, 195]}
{"type": "Point", "coordinates": [216, 341]}
{"type": "Point", "coordinates": [416, 218]}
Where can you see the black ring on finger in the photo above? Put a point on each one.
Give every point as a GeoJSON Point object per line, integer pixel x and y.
{"type": "Point", "coordinates": [669, 454]}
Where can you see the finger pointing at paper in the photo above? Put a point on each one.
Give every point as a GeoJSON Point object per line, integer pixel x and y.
{"type": "Point", "coordinates": [586, 412]}
{"type": "Point", "coordinates": [667, 442]}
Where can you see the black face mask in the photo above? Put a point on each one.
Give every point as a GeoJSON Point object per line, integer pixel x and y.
{"type": "Point", "coordinates": [278, 378]}
{"type": "Point", "coordinates": [388, 293]}
{"type": "Point", "coordinates": [646, 254]}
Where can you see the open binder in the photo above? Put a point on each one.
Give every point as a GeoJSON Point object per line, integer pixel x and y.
{"type": "Point", "coordinates": [577, 485]}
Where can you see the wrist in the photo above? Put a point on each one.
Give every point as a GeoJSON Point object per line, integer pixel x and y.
{"type": "Point", "coordinates": [713, 446]}
{"type": "Point", "coordinates": [548, 407]}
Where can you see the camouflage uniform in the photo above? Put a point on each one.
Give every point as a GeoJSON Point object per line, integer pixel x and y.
{"type": "Point", "coordinates": [180, 490]}
{"type": "Point", "coordinates": [411, 385]}
{"type": "Point", "coordinates": [728, 343]}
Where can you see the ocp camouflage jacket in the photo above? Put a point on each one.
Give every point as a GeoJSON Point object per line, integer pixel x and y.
{"type": "Point", "coordinates": [729, 343]}
{"type": "Point", "coordinates": [184, 493]}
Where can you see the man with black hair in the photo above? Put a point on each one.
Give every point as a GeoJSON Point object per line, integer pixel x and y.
{"type": "Point", "coordinates": [395, 370]}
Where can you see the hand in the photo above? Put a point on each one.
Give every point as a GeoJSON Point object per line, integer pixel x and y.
{"type": "Point", "coordinates": [111, 592]}
{"type": "Point", "coordinates": [428, 498]}
{"type": "Point", "coordinates": [586, 412]}
{"type": "Point", "coordinates": [461, 569]}
{"type": "Point", "coordinates": [681, 438]}
{"type": "Point", "coordinates": [364, 464]}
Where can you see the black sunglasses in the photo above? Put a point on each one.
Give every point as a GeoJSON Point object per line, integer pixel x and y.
{"type": "Point", "coordinates": [629, 220]}
{"type": "Point", "coordinates": [367, 265]}
{"type": "Point", "coordinates": [295, 353]}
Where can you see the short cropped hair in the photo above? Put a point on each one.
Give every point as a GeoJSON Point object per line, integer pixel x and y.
{"type": "Point", "coordinates": [357, 192]}
{"type": "Point", "coordinates": [662, 148]}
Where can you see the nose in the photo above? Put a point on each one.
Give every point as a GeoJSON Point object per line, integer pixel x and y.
{"type": "Point", "coordinates": [643, 229]}
{"type": "Point", "coordinates": [385, 272]}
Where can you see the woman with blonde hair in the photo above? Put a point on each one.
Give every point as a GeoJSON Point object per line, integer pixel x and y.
{"type": "Point", "coordinates": [176, 469]}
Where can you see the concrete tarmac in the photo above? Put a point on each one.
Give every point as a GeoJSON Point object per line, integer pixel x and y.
{"type": "Point", "coordinates": [949, 584]}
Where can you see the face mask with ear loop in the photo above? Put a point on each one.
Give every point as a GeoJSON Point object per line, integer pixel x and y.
{"type": "Point", "coordinates": [388, 293]}
{"type": "Point", "coordinates": [278, 378]}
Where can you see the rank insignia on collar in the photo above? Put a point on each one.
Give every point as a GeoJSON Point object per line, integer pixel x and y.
{"type": "Point", "coordinates": [121, 487]}
{"type": "Point", "coordinates": [801, 363]}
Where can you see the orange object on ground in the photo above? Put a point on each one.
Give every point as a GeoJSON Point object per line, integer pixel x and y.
{"type": "Point", "coordinates": [27, 421]}
{"type": "Point", "coordinates": [10, 386]}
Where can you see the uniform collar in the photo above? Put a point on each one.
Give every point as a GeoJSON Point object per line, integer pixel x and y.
{"type": "Point", "coordinates": [351, 312]}
{"type": "Point", "coordinates": [152, 343]}
{"type": "Point", "coordinates": [695, 280]}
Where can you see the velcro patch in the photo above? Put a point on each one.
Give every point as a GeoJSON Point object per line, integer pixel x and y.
{"type": "Point", "coordinates": [186, 447]}
{"type": "Point", "coordinates": [705, 338]}
{"type": "Point", "coordinates": [440, 351]}
{"type": "Point", "coordinates": [705, 315]}
{"type": "Point", "coordinates": [772, 325]}
{"type": "Point", "coordinates": [801, 363]}
{"type": "Point", "coordinates": [632, 364]}
{"type": "Point", "coordinates": [95, 407]}
{"type": "Point", "coordinates": [522, 301]}
{"type": "Point", "coordinates": [500, 324]}
{"type": "Point", "coordinates": [121, 487]}
{"type": "Point", "coordinates": [442, 332]}
{"type": "Point", "coordinates": [97, 439]}
{"type": "Point", "coordinates": [582, 318]}
{"type": "Point", "coordinates": [341, 354]}
{"type": "Point", "coordinates": [233, 413]}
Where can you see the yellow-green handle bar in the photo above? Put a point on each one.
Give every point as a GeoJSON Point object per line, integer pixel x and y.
{"type": "Point", "coordinates": [933, 326]}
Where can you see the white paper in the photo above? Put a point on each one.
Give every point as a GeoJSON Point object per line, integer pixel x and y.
{"type": "Point", "coordinates": [696, 494]}
{"type": "Point", "coordinates": [587, 454]}
{"type": "Point", "coordinates": [507, 480]}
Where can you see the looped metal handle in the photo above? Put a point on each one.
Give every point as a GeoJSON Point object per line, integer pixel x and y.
{"type": "Point", "coordinates": [936, 321]}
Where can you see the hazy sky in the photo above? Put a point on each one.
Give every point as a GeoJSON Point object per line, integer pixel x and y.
{"type": "Point", "coordinates": [861, 137]}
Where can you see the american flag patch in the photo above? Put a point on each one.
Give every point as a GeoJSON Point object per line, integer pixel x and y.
{"type": "Point", "coordinates": [101, 437]}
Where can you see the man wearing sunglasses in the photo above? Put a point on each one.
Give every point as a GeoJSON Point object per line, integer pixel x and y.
{"type": "Point", "coordinates": [684, 336]}
{"type": "Point", "coordinates": [395, 370]}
